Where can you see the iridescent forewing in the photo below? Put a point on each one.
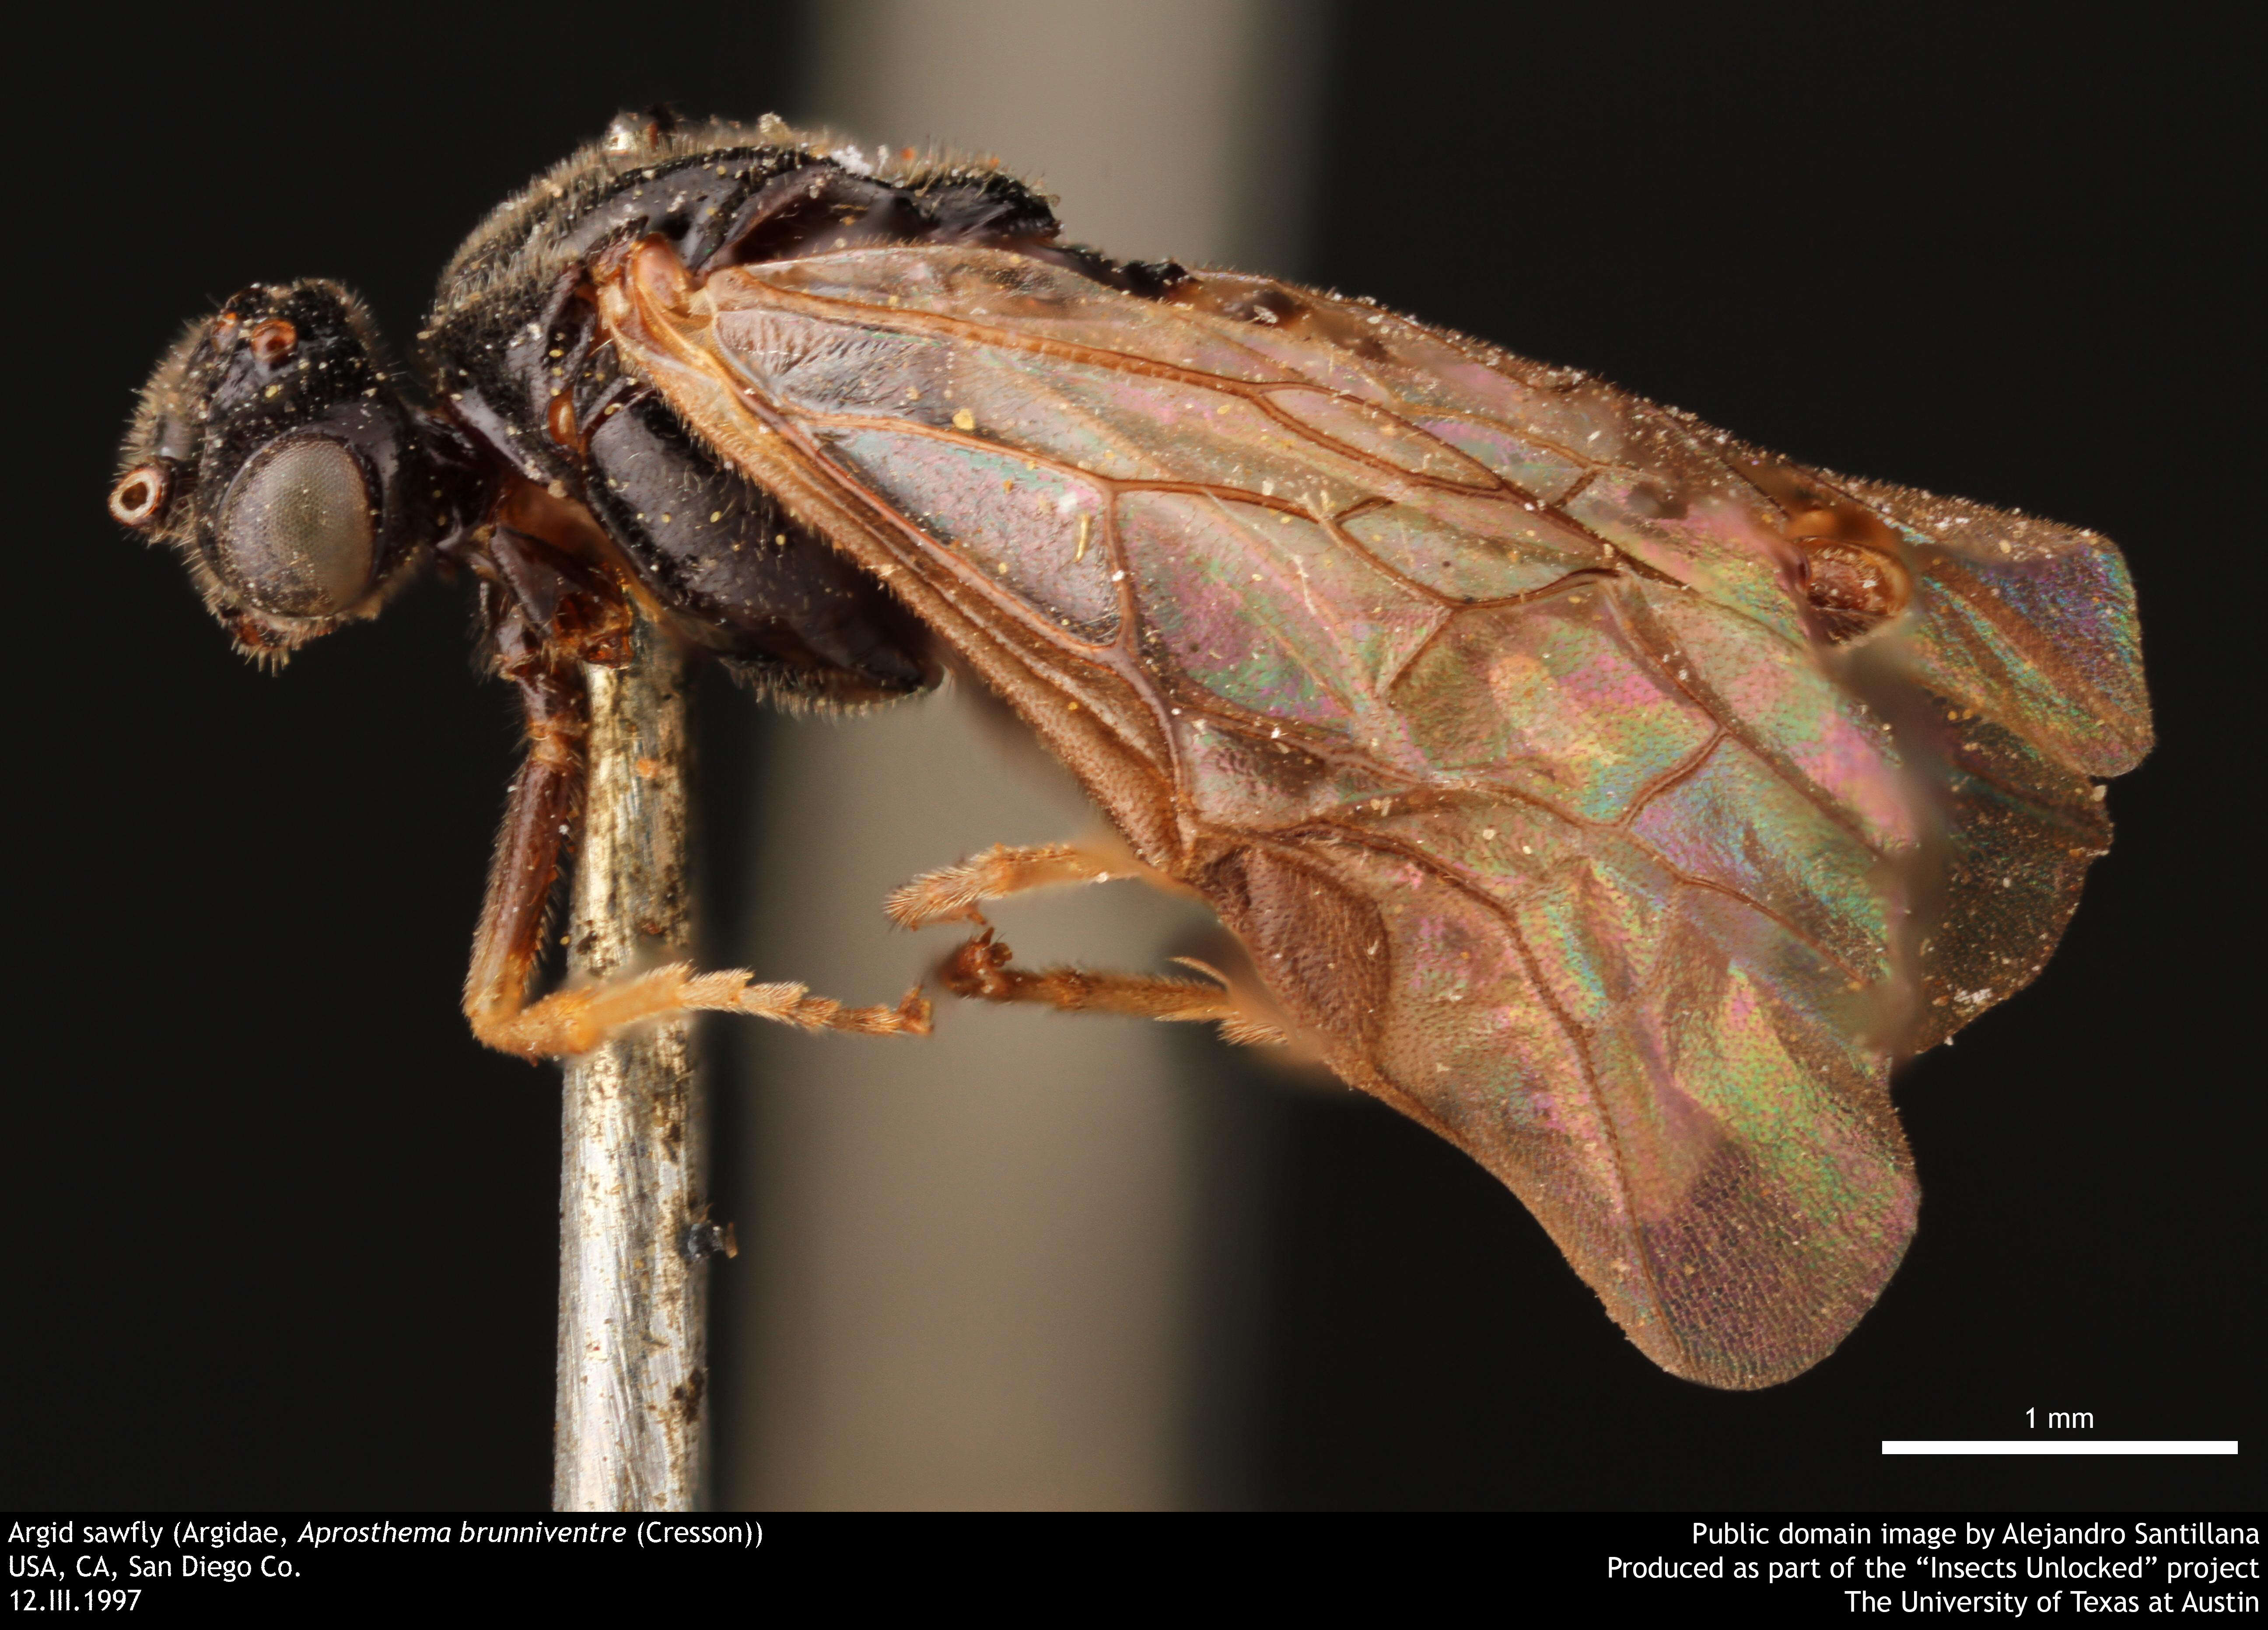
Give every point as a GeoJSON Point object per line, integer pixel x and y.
{"type": "Point", "coordinates": [2021, 651]}
{"type": "Point", "coordinates": [1486, 703]}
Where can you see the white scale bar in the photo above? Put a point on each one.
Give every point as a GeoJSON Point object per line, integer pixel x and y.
{"type": "Point", "coordinates": [2059, 1445]}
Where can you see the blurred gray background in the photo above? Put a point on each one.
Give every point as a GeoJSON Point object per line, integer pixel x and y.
{"type": "Point", "coordinates": [984, 1257]}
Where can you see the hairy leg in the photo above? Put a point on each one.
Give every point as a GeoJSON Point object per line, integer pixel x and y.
{"type": "Point", "coordinates": [981, 969]}
{"type": "Point", "coordinates": [547, 803]}
{"type": "Point", "coordinates": [953, 893]}
{"type": "Point", "coordinates": [545, 800]}
{"type": "Point", "coordinates": [576, 1021]}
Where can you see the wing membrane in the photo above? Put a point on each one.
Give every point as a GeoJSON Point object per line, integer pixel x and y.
{"type": "Point", "coordinates": [1491, 714]}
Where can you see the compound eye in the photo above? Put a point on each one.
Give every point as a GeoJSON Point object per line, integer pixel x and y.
{"type": "Point", "coordinates": [296, 533]}
{"type": "Point", "coordinates": [139, 498]}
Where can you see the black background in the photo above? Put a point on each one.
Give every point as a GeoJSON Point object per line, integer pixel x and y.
{"type": "Point", "coordinates": [280, 1235]}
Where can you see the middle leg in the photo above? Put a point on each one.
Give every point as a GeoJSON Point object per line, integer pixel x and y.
{"type": "Point", "coordinates": [953, 893]}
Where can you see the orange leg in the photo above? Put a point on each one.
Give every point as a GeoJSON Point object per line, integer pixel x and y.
{"type": "Point", "coordinates": [980, 969]}
{"type": "Point", "coordinates": [953, 893]}
{"type": "Point", "coordinates": [546, 801]}
{"type": "Point", "coordinates": [576, 1021]}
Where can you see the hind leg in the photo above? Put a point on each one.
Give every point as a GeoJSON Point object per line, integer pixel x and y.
{"type": "Point", "coordinates": [981, 969]}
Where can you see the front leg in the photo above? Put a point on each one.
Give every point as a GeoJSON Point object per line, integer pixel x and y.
{"type": "Point", "coordinates": [545, 808]}
{"type": "Point", "coordinates": [545, 811]}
